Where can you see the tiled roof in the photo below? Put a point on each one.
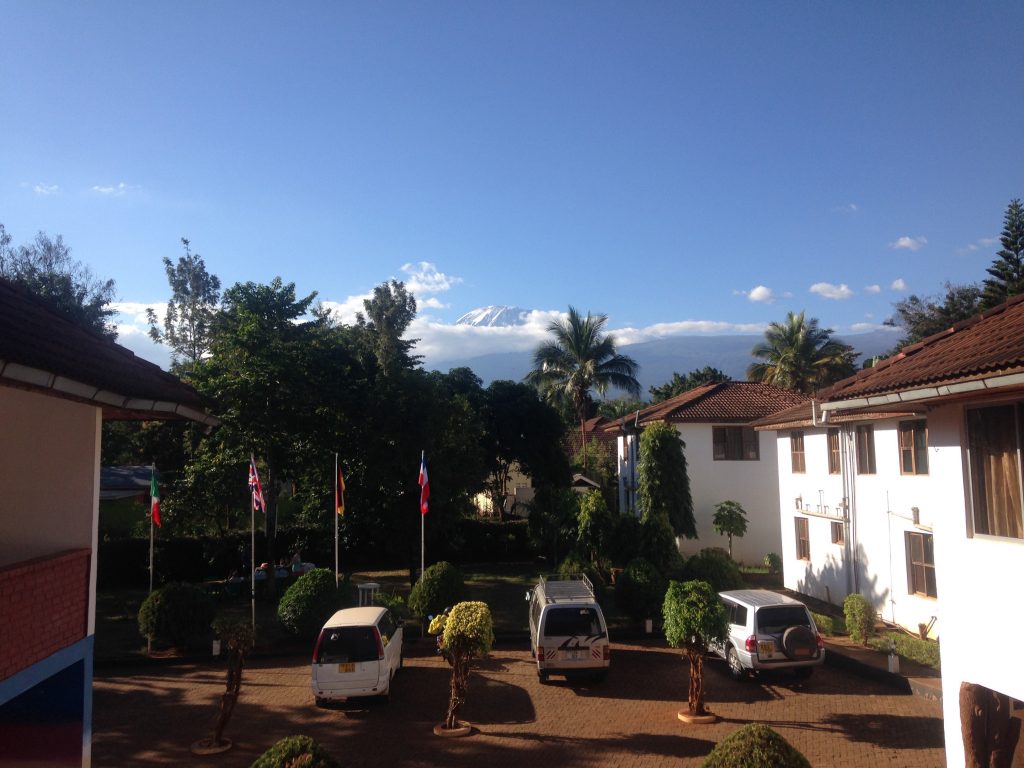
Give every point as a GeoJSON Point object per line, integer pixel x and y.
{"type": "Point", "coordinates": [730, 402]}
{"type": "Point", "coordinates": [595, 432]}
{"type": "Point", "coordinates": [42, 350]}
{"type": "Point", "coordinates": [799, 416]}
{"type": "Point", "coordinates": [987, 345]}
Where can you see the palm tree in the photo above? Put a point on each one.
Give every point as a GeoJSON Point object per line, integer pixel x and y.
{"type": "Point", "coordinates": [578, 359]}
{"type": "Point", "coordinates": [798, 355]}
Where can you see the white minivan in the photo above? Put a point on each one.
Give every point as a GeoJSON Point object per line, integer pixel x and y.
{"type": "Point", "coordinates": [568, 633]}
{"type": "Point", "coordinates": [357, 653]}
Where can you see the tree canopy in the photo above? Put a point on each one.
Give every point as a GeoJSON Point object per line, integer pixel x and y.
{"type": "Point", "coordinates": [679, 384]}
{"type": "Point", "coordinates": [1006, 275]}
{"type": "Point", "coordinates": [663, 494]}
{"type": "Point", "coordinates": [796, 354]}
{"type": "Point", "coordinates": [921, 317]}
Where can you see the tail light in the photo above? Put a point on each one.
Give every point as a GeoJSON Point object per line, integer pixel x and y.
{"type": "Point", "coordinates": [316, 648]}
{"type": "Point", "coordinates": [606, 653]}
{"type": "Point", "coordinates": [821, 643]}
{"type": "Point", "coordinates": [751, 643]}
{"type": "Point", "coordinates": [380, 645]}
{"type": "Point", "coordinates": [540, 653]}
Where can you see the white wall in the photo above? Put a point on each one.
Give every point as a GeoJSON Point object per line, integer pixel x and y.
{"type": "Point", "coordinates": [49, 465]}
{"type": "Point", "coordinates": [754, 484]}
{"type": "Point", "coordinates": [872, 560]}
{"type": "Point", "coordinates": [978, 580]}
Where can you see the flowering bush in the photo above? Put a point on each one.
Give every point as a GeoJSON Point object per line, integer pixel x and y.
{"type": "Point", "coordinates": [467, 631]}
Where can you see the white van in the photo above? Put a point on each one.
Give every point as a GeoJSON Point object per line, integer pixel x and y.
{"type": "Point", "coordinates": [357, 654]}
{"type": "Point", "coordinates": [568, 633]}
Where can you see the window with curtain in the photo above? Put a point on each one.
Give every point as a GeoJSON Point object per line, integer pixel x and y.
{"type": "Point", "coordinates": [920, 564]}
{"type": "Point", "coordinates": [803, 539]}
{"type": "Point", "coordinates": [796, 451]}
{"type": "Point", "coordinates": [993, 439]}
{"type": "Point", "coordinates": [913, 448]}
{"type": "Point", "coordinates": [735, 444]}
{"type": "Point", "coordinates": [833, 451]}
{"type": "Point", "coordinates": [865, 450]}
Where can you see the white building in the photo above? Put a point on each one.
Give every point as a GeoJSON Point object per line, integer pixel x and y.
{"type": "Point", "coordinates": [957, 460]}
{"type": "Point", "coordinates": [726, 460]}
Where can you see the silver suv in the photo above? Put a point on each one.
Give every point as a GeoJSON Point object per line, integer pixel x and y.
{"type": "Point", "coordinates": [768, 631]}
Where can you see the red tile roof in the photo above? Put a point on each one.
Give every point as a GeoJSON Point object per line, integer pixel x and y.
{"type": "Point", "coordinates": [730, 402]}
{"type": "Point", "coordinates": [42, 350]}
{"type": "Point", "coordinates": [987, 345]}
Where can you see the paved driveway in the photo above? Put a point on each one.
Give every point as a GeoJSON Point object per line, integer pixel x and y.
{"type": "Point", "coordinates": [149, 716]}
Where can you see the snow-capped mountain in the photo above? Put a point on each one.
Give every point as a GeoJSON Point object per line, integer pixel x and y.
{"type": "Point", "coordinates": [492, 316]}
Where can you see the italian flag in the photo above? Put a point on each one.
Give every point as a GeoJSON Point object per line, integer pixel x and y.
{"type": "Point", "coordinates": [154, 495]}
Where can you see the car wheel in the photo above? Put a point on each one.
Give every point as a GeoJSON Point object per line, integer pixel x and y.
{"type": "Point", "coordinates": [736, 670]}
{"type": "Point", "coordinates": [320, 702]}
{"type": "Point", "coordinates": [401, 660]}
{"type": "Point", "coordinates": [542, 676]}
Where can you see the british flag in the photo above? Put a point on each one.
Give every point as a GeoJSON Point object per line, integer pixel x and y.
{"type": "Point", "coordinates": [255, 488]}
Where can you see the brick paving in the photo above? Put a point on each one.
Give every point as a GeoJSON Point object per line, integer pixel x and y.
{"type": "Point", "coordinates": [149, 715]}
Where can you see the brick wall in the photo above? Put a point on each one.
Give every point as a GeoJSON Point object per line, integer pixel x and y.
{"type": "Point", "coordinates": [44, 603]}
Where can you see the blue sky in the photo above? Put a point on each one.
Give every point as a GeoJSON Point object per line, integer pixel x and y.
{"type": "Point", "coordinates": [682, 167]}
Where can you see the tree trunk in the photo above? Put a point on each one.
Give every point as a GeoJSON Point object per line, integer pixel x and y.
{"type": "Point", "coordinates": [989, 732]}
{"type": "Point", "coordinates": [583, 442]}
{"type": "Point", "coordinates": [236, 660]}
{"type": "Point", "coordinates": [695, 695]}
{"type": "Point", "coordinates": [460, 678]}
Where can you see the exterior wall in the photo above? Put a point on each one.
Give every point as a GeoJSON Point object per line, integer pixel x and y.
{"type": "Point", "coordinates": [49, 504]}
{"type": "Point", "coordinates": [872, 559]}
{"type": "Point", "coordinates": [754, 484]}
{"type": "Point", "coordinates": [975, 575]}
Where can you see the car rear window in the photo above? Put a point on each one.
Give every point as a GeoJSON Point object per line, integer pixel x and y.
{"type": "Point", "coordinates": [779, 617]}
{"type": "Point", "coordinates": [559, 622]}
{"type": "Point", "coordinates": [344, 644]}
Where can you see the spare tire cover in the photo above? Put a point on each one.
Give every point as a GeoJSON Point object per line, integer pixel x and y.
{"type": "Point", "coordinates": [799, 643]}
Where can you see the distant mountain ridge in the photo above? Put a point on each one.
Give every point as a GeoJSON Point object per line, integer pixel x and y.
{"type": "Point", "coordinates": [497, 315]}
{"type": "Point", "coordinates": [660, 358]}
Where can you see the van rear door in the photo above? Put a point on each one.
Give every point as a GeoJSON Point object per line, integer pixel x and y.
{"type": "Point", "coordinates": [574, 636]}
{"type": "Point", "coordinates": [348, 659]}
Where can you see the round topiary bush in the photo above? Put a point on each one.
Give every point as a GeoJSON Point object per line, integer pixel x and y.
{"type": "Point", "coordinates": [309, 602]}
{"type": "Point", "coordinates": [715, 567]}
{"type": "Point", "coordinates": [860, 618]}
{"type": "Point", "coordinates": [294, 751]}
{"type": "Point", "coordinates": [755, 746]}
{"type": "Point", "coordinates": [640, 590]}
{"type": "Point", "coordinates": [440, 587]}
{"type": "Point", "coordinates": [177, 613]}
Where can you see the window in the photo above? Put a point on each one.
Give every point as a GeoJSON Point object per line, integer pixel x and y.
{"type": "Point", "coordinates": [920, 564]}
{"type": "Point", "coordinates": [913, 448]}
{"type": "Point", "coordinates": [796, 451]}
{"type": "Point", "coordinates": [833, 451]}
{"type": "Point", "coordinates": [803, 539]}
{"type": "Point", "coordinates": [838, 537]}
{"type": "Point", "coordinates": [735, 444]}
{"type": "Point", "coordinates": [993, 440]}
{"type": "Point", "coordinates": [866, 450]}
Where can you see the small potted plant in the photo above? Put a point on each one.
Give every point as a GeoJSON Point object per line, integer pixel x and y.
{"type": "Point", "coordinates": [694, 618]}
{"type": "Point", "coordinates": [466, 632]}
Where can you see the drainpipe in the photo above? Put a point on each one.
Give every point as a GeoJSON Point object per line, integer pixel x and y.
{"type": "Point", "coordinates": [847, 470]}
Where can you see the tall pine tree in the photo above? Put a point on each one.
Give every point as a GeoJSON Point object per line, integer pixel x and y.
{"type": "Point", "coordinates": [1007, 270]}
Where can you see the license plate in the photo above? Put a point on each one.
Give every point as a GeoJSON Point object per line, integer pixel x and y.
{"type": "Point", "coordinates": [577, 654]}
{"type": "Point", "coordinates": [804, 652]}
{"type": "Point", "coordinates": [347, 667]}
{"type": "Point", "coordinates": [766, 647]}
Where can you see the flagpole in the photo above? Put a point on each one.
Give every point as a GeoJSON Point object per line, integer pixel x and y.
{"type": "Point", "coordinates": [337, 578]}
{"type": "Point", "coordinates": [252, 564]}
{"type": "Point", "coordinates": [149, 640]}
{"type": "Point", "coordinates": [423, 459]}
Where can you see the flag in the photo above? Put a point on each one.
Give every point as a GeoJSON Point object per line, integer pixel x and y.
{"type": "Point", "coordinates": [154, 499]}
{"type": "Point", "coordinates": [424, 484]}
{"type": "Point", "coordinates": [255, 488]}
{"type": "Point", "coordinates": [339, 493]}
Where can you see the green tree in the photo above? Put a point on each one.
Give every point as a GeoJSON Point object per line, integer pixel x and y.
{"type": "Point", "coordinates": [663, 492]}
{"type": "Point", "coordinates": [692, 380]}
{"type": "Point", "coordinates": [467, 632]}
{"type": "Point", "coordinates": [730, 519]}
{"type": "Point", "coordinates": [594, 525]}
{"type": "Point", "coordinates": [798, 355]}
{"type": "Point", "coordinates": [190, 310]}
{"type": "Point", "coordinates": [1007, 270]}
{"type": "Point", "coordinates": [694, 618]}
{"type": "Point", "coordinates": [389, 313]}
{"type": "Point", "coordinates": [619, 407]}
{"type": "Point", "coordinates": [579, 358]}
{"type": "Point", "coordinates": [921, 317]}
{"type": "Point", "coordinates": [44, 268]}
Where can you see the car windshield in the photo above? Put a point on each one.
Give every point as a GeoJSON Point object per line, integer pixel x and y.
{"type": "Point", "coordinates": [347, 644]}
{"type": "Point", "coordinates": [777, 618]}
{"type": "Point", "coordinates": [572, 621]}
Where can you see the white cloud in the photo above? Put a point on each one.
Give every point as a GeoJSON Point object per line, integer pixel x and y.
{"type": "Point", "coordinates": [846, 208]}
{"type": "Point", "coordinates": [982, 242]}
{"type": "Point", "coordinates": [868, 327]}
{"type": "Point", "coordinates": [899, 284]}
{"type": "Point", "coordinates": [136, 310]}
{"type": "Point", "coordinates": [761, 293]}
{"type": "Point", "coordinates": [873, 288]}
{"type": "Point", "coordinates": [424, 277]}
{"type": "Point", "coordinates": [831, 291]}
{"type": "Point", "coordinates": [118, 190]}
{"type": "Point", "coordinates": [431, 303]}
{"type": "Point", "coordinates": [909, 243]}
{"type": "Point", "coordinates": [345, 311]}
{"type": "Point", "coordinates": [45, 190]}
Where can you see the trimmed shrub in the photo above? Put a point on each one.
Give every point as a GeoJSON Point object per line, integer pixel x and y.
{"type": "Point", "coordinates": [860, 618]}
{"type": "Point", "coordinates": [440, 587]}
{"type": "Point", "coordinates": [309, 602]}
{"type": "Point", "coordinates": [755, 746]}
{"type": "Point", "coordinates": [773, 563]}
{"type": "Point", "coordinates": [295, 751]}
{"type": "Point", "coordinates": [640, 590]}
{"type": "Point", "coordinates": [715, 567]}
{"type": "Point", "coordinates": [574, 564]}
{"type": "Point", "coordinates": [924, 652]}
{"type": "Point", "coordinates": [829, 625]}
{"type": "Point", "coordinates": [178, 613]}
{"type": "Point", "coordinates": [658, 544]}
